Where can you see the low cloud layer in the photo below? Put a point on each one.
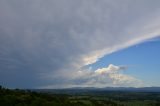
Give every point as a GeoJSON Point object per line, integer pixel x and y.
{"type": "Point", "coordinates": [109, 76]}
{"type": "Point", "coordinates": [43, 42]}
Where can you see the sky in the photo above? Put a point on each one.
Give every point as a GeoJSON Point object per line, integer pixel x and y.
{"type": "Point", "coordinates": [141, 60]}
{"type": "Point", "coordinates": [79, 43]}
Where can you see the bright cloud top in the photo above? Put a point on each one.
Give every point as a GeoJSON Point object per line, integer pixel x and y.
{"type": "Point", "coordinates": [110, 69]}
{"type": "Point", "coordinates": [42, 42]}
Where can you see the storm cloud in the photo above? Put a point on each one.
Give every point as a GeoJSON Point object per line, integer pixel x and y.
{"type": "Point", "coordinates": [42, 42]}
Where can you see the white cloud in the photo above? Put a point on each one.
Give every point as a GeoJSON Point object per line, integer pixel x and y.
{"type": "Point", "coordinates": [110, 76]}
{"type": "Point", "coordinates": [53, 38]}
{"type": "Point", "coordinates": [110, 69]}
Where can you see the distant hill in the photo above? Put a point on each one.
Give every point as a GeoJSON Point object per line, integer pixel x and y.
{"type": "Point", "coordinates": [99, 90]}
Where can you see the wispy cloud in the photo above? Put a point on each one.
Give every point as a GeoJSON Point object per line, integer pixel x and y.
{"type": "Point", "coordinates": [47, 40]}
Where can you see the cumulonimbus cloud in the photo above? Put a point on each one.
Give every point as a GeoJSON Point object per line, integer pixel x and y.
{"type": "Point", "coordinates": [110, 69]}
{"type": "Point", "coordinates": [109, 76]}
{"type": "Point", "coordinates": [43, 42]}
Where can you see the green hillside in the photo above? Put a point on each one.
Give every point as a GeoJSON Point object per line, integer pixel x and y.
{"type": "Point", "coordinates": [16, 97]}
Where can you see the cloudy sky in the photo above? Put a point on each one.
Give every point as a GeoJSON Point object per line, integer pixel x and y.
{"type": "Point", "coordinates": [79, 43]}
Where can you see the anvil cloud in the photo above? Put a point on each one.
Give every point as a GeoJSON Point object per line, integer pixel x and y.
{"type": "Point", "coordinates": [43, 41]}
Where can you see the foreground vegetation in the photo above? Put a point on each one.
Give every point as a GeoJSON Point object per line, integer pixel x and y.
{"type": "Point", "coordinates": [18, 97]}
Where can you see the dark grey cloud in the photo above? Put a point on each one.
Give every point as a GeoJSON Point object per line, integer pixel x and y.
{"type": "Point", "coordinates": [42, 42]}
